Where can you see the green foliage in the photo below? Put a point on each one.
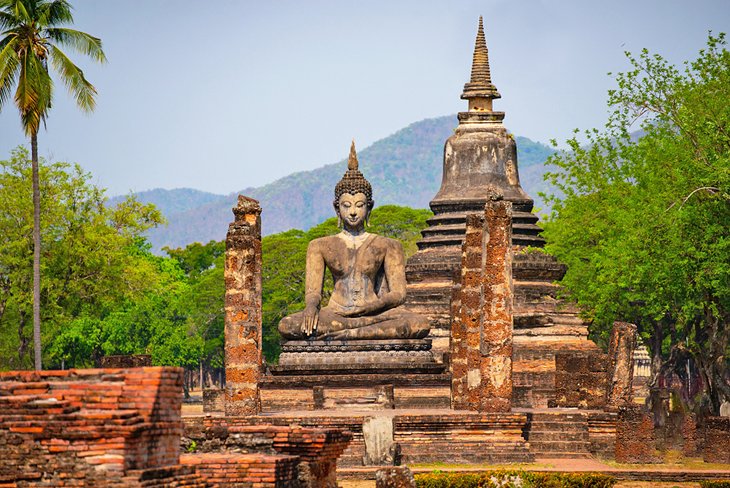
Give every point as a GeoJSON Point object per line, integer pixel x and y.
{"type": "Point", "coordinates": [509, 479]}
{"type": "Point", "coordinates": [87, 264]}
{"type": "Point", "coordinates": [643, 224]}
{"type": "Point", "coordinates": [715, 484]}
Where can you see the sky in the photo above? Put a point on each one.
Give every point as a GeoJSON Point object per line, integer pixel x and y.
{"type": "Point", "coordinates": [221, 96]}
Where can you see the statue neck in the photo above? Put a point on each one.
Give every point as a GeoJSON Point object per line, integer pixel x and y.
{"type": "Point", "coordinates": [353, 239]}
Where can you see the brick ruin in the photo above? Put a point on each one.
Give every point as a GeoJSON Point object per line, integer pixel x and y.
{"type": "Point", "coordinates": [123, 428]}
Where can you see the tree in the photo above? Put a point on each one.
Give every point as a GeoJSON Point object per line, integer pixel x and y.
{"type": "Point", "coordinates": [91, 258]}
{"type": "Point", "coordinates": [643, 223]}
{"type": "Point", "coordinates": [32, 32]}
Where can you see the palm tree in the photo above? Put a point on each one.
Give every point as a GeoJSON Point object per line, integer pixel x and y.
{"type": "Point", "coordinates": [31, 31]}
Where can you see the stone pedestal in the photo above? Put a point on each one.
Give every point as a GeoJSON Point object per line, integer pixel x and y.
{"type": "Point", "coordinates": [243, 338]}
{"type": "Point", "coordinates": [313, 357]}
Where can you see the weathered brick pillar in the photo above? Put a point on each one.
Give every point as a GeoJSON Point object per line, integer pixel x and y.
{"type": "Point", "coordinates": [621, 364]}
{"type": "Point", "coordinates": [466, 376]}
{"type": "Point", "coordinates": [496, 332]}
{"type": "Point", "coordinates": [457, 356]}
{"type": "Point", "coordinates": [481, 334]}
{"type": "Point", "coordinates": [243, 309]}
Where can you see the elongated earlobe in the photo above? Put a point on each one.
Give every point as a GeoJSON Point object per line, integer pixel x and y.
{"type": "Point", "coordinates": [339, 221]}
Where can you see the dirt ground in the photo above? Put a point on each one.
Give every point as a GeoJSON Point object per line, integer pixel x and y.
{"type": "Point", "coordinates": [622, 484]}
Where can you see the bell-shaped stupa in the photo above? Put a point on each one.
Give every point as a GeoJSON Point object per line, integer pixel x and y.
{"type": "Point", "coordinates": [480, 160]}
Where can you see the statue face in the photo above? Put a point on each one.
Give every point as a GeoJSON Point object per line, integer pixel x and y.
{"type": "Point", "coordinates": [353, 210]}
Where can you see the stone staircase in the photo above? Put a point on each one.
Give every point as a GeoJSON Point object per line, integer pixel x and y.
{"type": "Point", "coordinates": [558, 435]}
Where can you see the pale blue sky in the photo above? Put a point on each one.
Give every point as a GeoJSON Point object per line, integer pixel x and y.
{"type": "Point", "coordinates": [224, 95]}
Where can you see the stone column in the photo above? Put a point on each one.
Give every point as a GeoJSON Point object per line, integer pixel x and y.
{"type": "Point", "coordinates": [481, 340]}
{"type": "Point", "coordinates": [243, 336]}
{"type": "Point", "coordinates": [621, 364]}
{"type": "Point", "coordinates": [495, 342]}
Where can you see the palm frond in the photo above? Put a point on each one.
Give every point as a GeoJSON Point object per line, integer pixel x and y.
{"type": "Point", "coordinates": [20, 12]}
{"type": "Point", "coordinates": [80, 41]}
{"type": "Point", "coordinates": [56, 12]}
{"type": "Point", "coordinates": [33, 95]}
{"type": "Point", "coordinates": [9, 64]}
{"type": "Point", "coordinates": [83, 91]}
{"type": "Point", "coordinates": [6, 19]}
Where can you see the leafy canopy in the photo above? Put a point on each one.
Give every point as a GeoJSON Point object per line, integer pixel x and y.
{"type": "Point", "coordinates": [644, 225]}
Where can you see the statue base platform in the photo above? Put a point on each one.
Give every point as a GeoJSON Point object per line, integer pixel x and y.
{"type": "Point", "coordinates": [370, 374]}
{"type": "Point", "coordinates": [410, 356]}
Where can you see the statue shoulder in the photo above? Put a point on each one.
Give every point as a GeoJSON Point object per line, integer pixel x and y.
{"type": "Point", "coordinates": [321, 242]}
{"type": "Point", "coordinates": [389, 243]}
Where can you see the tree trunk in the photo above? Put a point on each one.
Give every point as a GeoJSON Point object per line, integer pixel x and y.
{"type": "Point", "coordinates": [36, 252]}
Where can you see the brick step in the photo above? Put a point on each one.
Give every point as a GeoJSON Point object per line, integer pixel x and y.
{"type": "Point", "coordinates": [540, 447]}
{"type": "Point", "coordinates": [564, 455]}
{"type": "Point", "coordinates": [550, 436]}
{"type": "Point", "coordinates": [579, 425]}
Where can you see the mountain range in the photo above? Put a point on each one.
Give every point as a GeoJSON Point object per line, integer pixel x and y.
{"type": "Point", "coordinates": [403, 168]}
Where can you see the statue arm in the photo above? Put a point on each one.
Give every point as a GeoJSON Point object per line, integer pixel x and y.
{"type": "Point", "coordinates": [313, 282]}
{"type": "Point", "coordinates": [314, 276]}
{"type": "Point", "coordinates": [395, 273]}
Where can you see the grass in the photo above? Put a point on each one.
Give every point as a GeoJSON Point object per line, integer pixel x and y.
{"type": "Point", "coordinates": [480, 467]}
{"type": "Point", "coordinates": [673, 460]}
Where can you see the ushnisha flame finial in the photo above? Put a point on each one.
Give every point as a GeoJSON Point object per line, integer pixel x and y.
{"type": "Point", "coordinates": [480, 85]}
{"type": "Point", "coordinates": [352, 160]}
{"type": "Point", "coordinates": [353, 181]}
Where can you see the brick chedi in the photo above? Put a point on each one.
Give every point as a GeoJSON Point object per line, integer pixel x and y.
{"type": "Point", "coordinates": [479, 156]}
{"type": "Point", "coordinates": [243, 355]}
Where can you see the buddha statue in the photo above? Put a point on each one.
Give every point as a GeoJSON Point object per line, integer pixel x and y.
{"type": "Point", "coordinates": [368, 272]}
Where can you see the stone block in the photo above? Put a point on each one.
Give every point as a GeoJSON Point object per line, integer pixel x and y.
{"type": "Point", "coordinates": [395, 477]}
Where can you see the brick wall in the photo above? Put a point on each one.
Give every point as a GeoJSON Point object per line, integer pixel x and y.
{"type": "Point", "coordinates": [717, 440]}
{"type": "Point", "coordinates": [580, 379]}
{"type": "Point", "coordinates": [635, 440]}
{"type": "Point", "coordinates": [317, 448]}
{"type": "Point", "coordinates": [236, 470]}
{"type": "Point", "coordinates": [109, 427]}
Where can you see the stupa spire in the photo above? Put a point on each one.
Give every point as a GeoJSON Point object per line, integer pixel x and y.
{"type": "Point", "coordinates": [480, 86]}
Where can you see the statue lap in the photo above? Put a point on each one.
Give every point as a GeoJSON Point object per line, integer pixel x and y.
{"type": "Point", "coordinates": [395, 323]}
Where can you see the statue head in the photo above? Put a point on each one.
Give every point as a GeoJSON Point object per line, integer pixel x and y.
{"type": "Point", "coordinates": [353, 192]}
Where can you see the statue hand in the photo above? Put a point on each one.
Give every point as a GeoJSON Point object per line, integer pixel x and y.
{"type": "Point", "coordinates": [310, 319]}
{"type": "Point", "coordinates": [355, 311]}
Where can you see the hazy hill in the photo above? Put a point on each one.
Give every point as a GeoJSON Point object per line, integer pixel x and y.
{"type": "Point", "coordinates": [404, 169]}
